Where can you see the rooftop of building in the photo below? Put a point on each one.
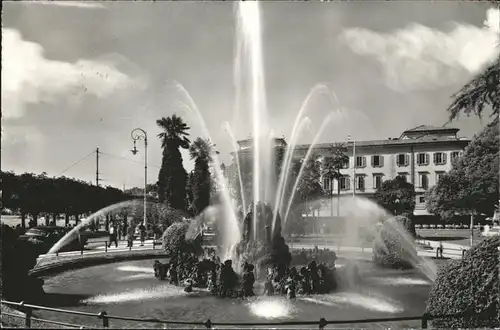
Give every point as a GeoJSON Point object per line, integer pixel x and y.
{"type": "Point", "coordinates": [414, 136]}
{"type": "Point", "coordinates": [394, 142]}
{"type": "Point", "coordinates": [429, 128]}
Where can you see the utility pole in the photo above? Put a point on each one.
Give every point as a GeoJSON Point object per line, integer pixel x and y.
{"type": "Point", "coordinates": [353, 166]}
{"type": "Point", "coordinates": [97, 167]}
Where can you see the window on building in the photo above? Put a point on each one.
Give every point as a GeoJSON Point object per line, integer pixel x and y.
{"type": "Point", "coordinates": [327, 184]}
{"type": "Point", "coordinates": [345, 163]}
{"type": "Point", "coordinates": [454, 155]}
{"type": "Point", "coordinates": [439, 175]}
{"type": "Point", "coordinates": [424, 180]}
{"type": "Point", "coordinates": [421, 199]}
{"type": "Point", "coordinates": [360, 182]}
{"type": "Point", "coordinates": [377, 181]}
{"type": "Point", "coordinates": [360, 161]}
{"type": "Point", "coordinates": [344, 183]}
{"type": "Point", "coordinates": [423, 158]}
{"type": "Point", "coordinates": [377, 161]}
{"type": "Point", "coordinates": [439, 158]}
{"type": "Point", "coordinates": [403, 160]}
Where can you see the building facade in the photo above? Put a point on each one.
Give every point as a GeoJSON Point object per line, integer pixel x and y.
{"type": "Point", "coordinates": [421, 155]}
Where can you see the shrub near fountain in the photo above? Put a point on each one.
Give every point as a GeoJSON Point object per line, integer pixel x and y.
{"type": "Point", "coordinates": [389, 250]}
{"type": "Point", "coordinates": [469, 286]}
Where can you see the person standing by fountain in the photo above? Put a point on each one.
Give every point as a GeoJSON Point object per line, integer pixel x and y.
{"type": "Point", "coordinates": [112, 235]}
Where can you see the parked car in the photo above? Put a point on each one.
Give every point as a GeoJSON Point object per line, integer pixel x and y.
{"type": "Point", "coordinates": [50, 235]}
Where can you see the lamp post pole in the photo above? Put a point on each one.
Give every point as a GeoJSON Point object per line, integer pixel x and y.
{"type": "Point", "coordinates": [137, 134]}
{"type": "Point", "coordinates": [354, 166]}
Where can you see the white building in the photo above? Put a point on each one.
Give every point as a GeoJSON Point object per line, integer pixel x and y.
{"type": "Point", "coordinates": [421, 154]}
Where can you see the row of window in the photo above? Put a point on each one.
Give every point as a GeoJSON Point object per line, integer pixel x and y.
{"type": "Point", "coordinates": [345, 181]}
{"type": "Point", "coordinates": [440, 158]}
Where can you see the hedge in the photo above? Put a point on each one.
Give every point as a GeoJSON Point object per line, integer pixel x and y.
{"type": "Point", "coordinates": [469, 286]}
{"type": "Point", "coordinates": [175, 240]}
{"type": "Point", "coordinates": [390, 247]}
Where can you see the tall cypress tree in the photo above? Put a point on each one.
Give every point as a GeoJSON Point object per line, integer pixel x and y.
{"type": "Point", "coordinates": [172, 177]}
{"type": "Point", "coordinates": [200, 151]}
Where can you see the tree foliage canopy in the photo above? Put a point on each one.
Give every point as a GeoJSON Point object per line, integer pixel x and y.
{"type": "Point", "coordinates": [172, 176]}
{"type": "Point", "coordinates": [483, 91]}
{"type": "Point", "coordinates": [35, 194]}
{"type": "Point", "coordinates": [396, 196]}
{"type": "Point", "coordinates": [472, 184]}
{"type": "Point", "coordinates": [334, 162]}
{"type": "Point", "coordinates": [201, 180]}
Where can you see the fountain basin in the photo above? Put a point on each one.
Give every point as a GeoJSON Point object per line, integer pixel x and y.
{"type": "Point", "coordinates": [130, 289]}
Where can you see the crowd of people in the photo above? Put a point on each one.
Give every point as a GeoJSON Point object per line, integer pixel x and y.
{"type": "Point", "coordinates": [118, 230]}
{"type": "Point", "coordinates": [221, 279]}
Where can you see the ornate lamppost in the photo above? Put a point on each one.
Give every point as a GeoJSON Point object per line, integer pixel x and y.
{"type": "Point", "coordinates": [138, 134]}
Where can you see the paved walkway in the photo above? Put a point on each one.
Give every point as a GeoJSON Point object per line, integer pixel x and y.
{"type": "Point", "coordinates": [452, 251]}
{"type": "Point", "coordinates": [96, 249]}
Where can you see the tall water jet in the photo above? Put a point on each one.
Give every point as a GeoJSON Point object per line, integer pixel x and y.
{"type": "Point", "coordinates": [229, 131]}
{"type": "Point", "coordinates": [305, 160]}
{"type": "Point", "coordinates": [285, 169]}
{"type": "Point", "coordinates": [230, 228]}
{"type": "Point", "coordinates": [85, 222]}
{"type": "Point", "coordinates": [249, 35]}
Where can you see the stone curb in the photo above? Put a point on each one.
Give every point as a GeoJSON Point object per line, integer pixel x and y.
{"type": "Point", "coordinates": [76, 263]}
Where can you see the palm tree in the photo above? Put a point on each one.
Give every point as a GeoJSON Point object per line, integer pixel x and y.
{"type": "Point", "coordinates": [483, 90]}
{"type": "Point", "coordinates": [201, 151]}
{"type": "Point", "coordinates": [332, 165]}
{"type": "Point", "coordinates": [172, 177]}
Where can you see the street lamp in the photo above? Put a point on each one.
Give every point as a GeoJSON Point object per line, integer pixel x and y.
{"type": "Point", "coordinates": [137, 134]}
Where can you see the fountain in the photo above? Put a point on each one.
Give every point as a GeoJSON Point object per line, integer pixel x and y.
{"type": "Point", "coordinates": [254, 236]}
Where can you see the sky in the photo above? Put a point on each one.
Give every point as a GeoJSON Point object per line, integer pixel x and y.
{"type": "Point", "coordinates": [82, 75]}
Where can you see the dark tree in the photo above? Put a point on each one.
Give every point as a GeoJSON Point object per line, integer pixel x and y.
{"type": "Point", "coordinates": [396, 196]}
{"type": "Point", "coordinates": [309, 186]}
{"type": "Point", "coordinates": [201, 151]}
{"type": "Point", "coordinates": [172, 177]}
{"type": "Point", "coordinates": [472, 184]}
{"type": "Point", "coordinates": [483, 91]}
{"type": "Point", "coordinates": [332, 164]}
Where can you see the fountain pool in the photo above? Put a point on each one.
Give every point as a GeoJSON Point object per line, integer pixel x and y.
{"type": "Point", "coordinates": [130, 289]}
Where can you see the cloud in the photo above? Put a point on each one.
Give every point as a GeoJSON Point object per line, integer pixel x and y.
{"type": "Point", "coordinates": [421, 58]}
{"type": "Point", "coordinates": [29, 77]}
{"type": "Point", "coordinates": [88, 5]}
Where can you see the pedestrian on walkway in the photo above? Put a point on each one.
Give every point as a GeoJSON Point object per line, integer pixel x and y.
{"type": "Point", "coordinates": [130, 236]}
{"type": "Point", "coordinates": [120, 231]}
{"type": "Point", "coordinates": [125, 229]}
{"type": "Point", "coordinates": [142, 233]}
{"type": "Point", "coordinates": [112, 235]}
